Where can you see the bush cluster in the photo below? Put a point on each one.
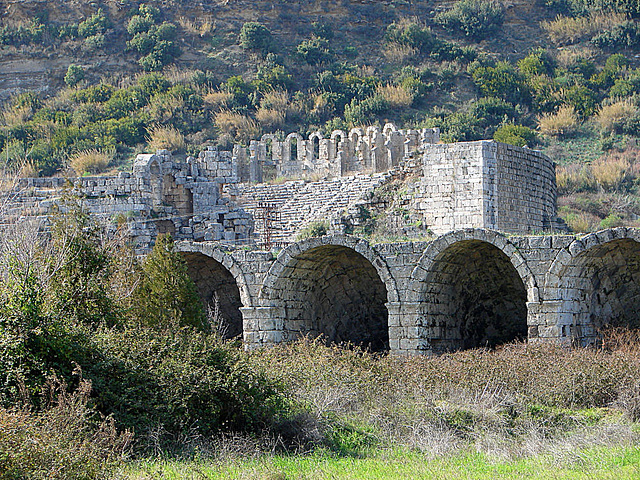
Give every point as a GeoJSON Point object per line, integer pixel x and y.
{"type": "Point", "coordinates": [138, 333]}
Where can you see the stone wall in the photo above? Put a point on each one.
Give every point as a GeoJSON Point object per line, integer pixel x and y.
{"type": "Point", "coordinates": [487, 184]}
{"type": "Point", "coordinates": [469, 288]}
{"type": "Point", "coordinates": [163, 194]}
{"type": "Point", "coordinates": [368, 150]}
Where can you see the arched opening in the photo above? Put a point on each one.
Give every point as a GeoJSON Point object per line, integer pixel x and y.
{"type": "Point", "coordinates": [601, 288]}
{"type": "Point", "coordinates": [219, 293]}
{"type": "Point", "coordinates": [334, 292]}
{"type": "Point", "coordinates": [336, 145]}
{"type": "Point", "coordinates": [269, 169]}
{"type": "Point", "coordinates": [293, 150]}
{"type": "Point", "coordinates": [315, 148]}
{"type": "Point", "coordinates": [473, 297]}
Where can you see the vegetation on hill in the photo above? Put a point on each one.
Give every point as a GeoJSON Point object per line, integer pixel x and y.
{"type": "Point", "coordinates": [192, 74]}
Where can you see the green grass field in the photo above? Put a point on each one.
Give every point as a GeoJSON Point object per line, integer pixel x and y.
{"type": "Point", "coordinates": [601, 463]}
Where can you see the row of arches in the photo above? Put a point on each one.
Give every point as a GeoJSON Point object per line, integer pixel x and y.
{"type": "Point", "coordinates": [469, 289]}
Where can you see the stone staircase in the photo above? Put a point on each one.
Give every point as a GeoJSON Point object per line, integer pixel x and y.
{"type": "Point", "coordinates": [299, 203]}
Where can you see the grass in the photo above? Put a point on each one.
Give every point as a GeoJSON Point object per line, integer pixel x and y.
{"type": "Point", "coordinates": [602, 463]}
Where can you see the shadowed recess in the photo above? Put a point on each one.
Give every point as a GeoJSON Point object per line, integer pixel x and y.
{"type": "Point", "coordinates": [474, 297]}
{"type": "Point", "coordinates": [601, 288]}
{"type": "Point", "coordinates": [334, 292]}
{"type": "Point", "coordinates": [219, 293]}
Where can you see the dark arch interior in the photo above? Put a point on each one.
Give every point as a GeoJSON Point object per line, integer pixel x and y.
{"type": "Point", "coordinates": [474, 297]}
{"type": "Point", "coordinates": [334, 292]}
{"type": "Point", "coordinates": [219, 292]}
{"type": "Point", "coordinates": [316, 148]}
{"type": "Point", "coordinates": [603, 286]}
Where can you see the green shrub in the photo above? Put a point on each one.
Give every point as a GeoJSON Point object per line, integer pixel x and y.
{"type": "Point", "coordinates": [94, 25]}
{"type": "Point", "coordinates": [74, 75]}
{"type": "Point", "coordinates": [412, 35]}
{"type": "Point", "coordinates": [362, 112]}
{"type": "Point", "coordinates": [582, 99]}
{"type": "Point", "coordinates": [95, 42]}
{"type": "Point", "coordinates": [166, 295]}
{"type": "Point", "coordinates": [502, 81]}
{"type": "Point", "coordinates": [622, 36]}
{"type": "Point", "coordinates": [517, 135]}
{"type": "Point", "coordinates": [458, 127]}
{"type": "Point", "coordinates": [472, 18]}
{"type": "Point", "coordinates": [611, 221]}
{"type": "Point", "coordinates": [536, 63]}
{"type": "Point", "coordinates": [255, 36]}
{"type": "Point", "coordinates": [314, 229]}
{"type": "Point", "coordinates": [314, 51]}
{"type": "Point", "coordinates": [493, 111]}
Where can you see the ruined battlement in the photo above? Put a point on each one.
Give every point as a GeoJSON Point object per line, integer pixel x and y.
{"type": "Point", "coordinates": [369, 150]}
{"type": "Point", "coordinates": [217, 196]}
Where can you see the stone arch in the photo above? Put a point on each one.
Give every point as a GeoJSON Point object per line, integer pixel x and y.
{"type": "Point", "coordinates": [334, 286]}
{"type": "Point", "coordinates": [596, 283]}
{"type": "Point", "coordinates": [294, 144]}
{"type": "Point", "coordinates": [338, 137]}
{"type": "Point", "coordinates": [314, 145]}
{"type": "Point", "coordinates": [219, 279]}
{"type": "Point", "coordinates": [471, 289]}
{"type": "Point", "coordinates": [388, 129]}
{"type": "Point", "coordinates": [355, 135]}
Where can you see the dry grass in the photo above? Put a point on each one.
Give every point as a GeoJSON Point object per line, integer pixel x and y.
{"type": "Point", "coordinates": [611, 171]}
{"type": "Point", "coordinates": [276, 100]}
{"type": "Point", "coordinates": [217, 100]}
{"type": "Point", "coordinates": [610, 117]}
{"type": "Point", "coordinates": [398, 54]}
{"type": "Point", "coordinates": [507, 403]}
{"type": "Point", "coordinates": [238, 126]}
{"type": "Point", "coordinates": [166, 138]}
{"type": "Point", "coordinates": [396, 96]}
{"type": "Point", "coordinates": [201, 26]}
{"type": "Point", "coordinates": [274, 109]}
{"type": "Point", "coordinates": [570, 56]}
{"type": "Point", "coordinates": [12, 117]}
{"type": "Point", "coordinates": [176, 75]}
{"type": "Point", "coordinates": [567, 30]}
{"type": "Point", "coordinates": [61, 441]}
{"type": "Point", "coordinates": [563, 122]}
{"type": "Point", "coordinates": [581, 222]}
{"type": "Point", "coordinates": [270, 119]}
{"type": "Point", "coordinates": [574, 178]}
{"type": "Point", "coordinates": [90, 162]}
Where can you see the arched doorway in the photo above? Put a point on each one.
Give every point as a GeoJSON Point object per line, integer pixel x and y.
{"type": "Point", "coordinates": [600, 288]}
{"type": "Point", "coordinates": [472, 297]}
{"type": "Point", "coordinates": [219, 293]}
{"type": "Point", "coordinates": [333, 292]}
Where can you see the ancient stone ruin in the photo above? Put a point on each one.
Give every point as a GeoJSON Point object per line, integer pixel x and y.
{"type": "Point", "coordinates": [497, 267]}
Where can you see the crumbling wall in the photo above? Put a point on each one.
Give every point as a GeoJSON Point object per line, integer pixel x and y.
{"type": "Point", "coordinates": [162, 194]}
{"type": "Point", "coordinates": [371, 150]}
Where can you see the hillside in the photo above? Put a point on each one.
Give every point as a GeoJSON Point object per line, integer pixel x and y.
{"type": "Point", "coordinates": [86, 85]}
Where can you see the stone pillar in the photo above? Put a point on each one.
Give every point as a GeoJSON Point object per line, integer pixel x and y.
{"type": "Point", "coordinates": [262, 326]}
{"type": "Point", "coordinates": [406, 334]}
{"type": "Point", "coordinates": [255, 166]}
{"type": "Point", "coordinates": [547, 322]}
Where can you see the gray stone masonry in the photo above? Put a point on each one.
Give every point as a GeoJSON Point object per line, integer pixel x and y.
{"type": "Point", "coordinates": [468, 288]}
{"type": "Point", "coordinates": [161, 195]}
